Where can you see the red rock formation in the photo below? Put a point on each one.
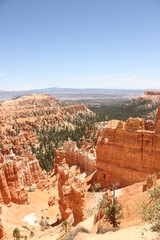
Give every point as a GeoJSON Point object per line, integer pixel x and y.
{"type": "Point", "coordinates": [157, 125]}
{"type": "Point", "coordinates": [5, 193]}
{"type": "Point", "coordinates": [10, 186]}
{"type": "Point", "coordinates": [1, 226]}
{"type": "Point", "coordinates": [72, 190]}
{"type": "Point", "coordinates": [51, 201]}
{"type": "Point", "coordinates": [127, 152]}
{"type": "Point", "coordinates": [1, 230]}
{"type": "Point", "coordinates": [77, 200]}
{"type": "Point", "coordinates": [1, 158]}
{"type": "Point", "coordinates": [60, 156]}
{"type": "Point", "coordinates": [75, 108]}
{"type": "Point", "coordinates": [21, 118]}
{"type": "Point", "coordinates": [16, 174]}
{"type": "Point", "coordinates": [13, 181]}
{"type": "Point", "coordinates": [82, 158]}
{"type": "Point", "coordinates": [71, 182]}
{"type": "Point", "coordinates": [152, 93]}
{"type": "Point", "coordinates": [64, 189]}
{"type": "Point", "coordinates": [37, 175]}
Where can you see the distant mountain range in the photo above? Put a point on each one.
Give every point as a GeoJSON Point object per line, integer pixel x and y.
{"type": "Point", "coordinates": [75, 94]}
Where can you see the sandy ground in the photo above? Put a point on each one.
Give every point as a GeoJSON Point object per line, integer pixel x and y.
{"type": "Point", "coordinates": [15, 215]}
{"type": "Point", "coordinates": [130, 233]}
{"type": "Point", "coordinates": [22, 216]}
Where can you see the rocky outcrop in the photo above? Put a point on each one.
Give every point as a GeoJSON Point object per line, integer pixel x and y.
{"type": "Point", "coordinates": [73, 165]}
{"type": "Point", "coordinates": [72, 191]}
{"type": "Point", "coordinates": [5, 193]}
{"type": "Point", "coordinates": [21, 122]}
{"type": "Point", "coordinates": [1, 230]}
{"type": "Point", "coordinates": [22, 118]}
{"type": "Point", "coordinates": [77, 200]}
{"type": "Point", "coordinates": [1, 226]}
{"type": "Point", "coordinates": [37, 176]}
{"type": "Point", "coordinates": [157, 125]}
{"type": "Point", "coordinates": [64, 189]}
{"type": "Point", "coordinates": [82, 158]}
{"type": "Point", "coordinates": [60, 157]}
{"type": "Point", "coordinates": [17, 191]}
{"type": "Point", "coordinates": [145, 106]}
{"type": "Point", "coordinates": [152, 93]}
{"type": "Point", "coordinates": [18, 173]}
{"type": "Point", "coordinates": [127, 152]}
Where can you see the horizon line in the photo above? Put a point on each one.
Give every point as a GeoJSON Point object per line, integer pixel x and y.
{"type": "Point", "coordinates": [38, 89]}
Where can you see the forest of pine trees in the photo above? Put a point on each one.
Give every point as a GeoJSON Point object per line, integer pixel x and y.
{"type": "Point", "coordinates": [51, 138]}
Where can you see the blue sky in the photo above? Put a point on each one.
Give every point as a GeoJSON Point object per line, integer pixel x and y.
{"type": "Point", "coordinates": [79, 44]}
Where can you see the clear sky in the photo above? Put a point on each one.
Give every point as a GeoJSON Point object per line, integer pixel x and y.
{"type": "Point", "coordinates": [79, 44]}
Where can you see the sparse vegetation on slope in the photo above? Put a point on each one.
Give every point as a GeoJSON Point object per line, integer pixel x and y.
{"type": "Point", "coordinates": [51, 138]}
{"type": "Point", "coordinates": [150, 210]}
{"type": "Point", "coordinates": [16, 233]}
{"type": "Point", "coordinates": [112, 210]}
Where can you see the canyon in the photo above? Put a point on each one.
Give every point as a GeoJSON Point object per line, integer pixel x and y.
{"type": "Point", "coordinates": [122, 154]}
{"type": "Point", "coordinates": [21, 119]}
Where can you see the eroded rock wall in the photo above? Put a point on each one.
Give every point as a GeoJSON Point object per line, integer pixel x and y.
{"type": "Point", "coordinates": [1, 226]}
{"type": "Point", "coordinates": [82, 158]}
{"type": "Point", "coordinates": [77, 201]}
{"type": "Point", "coordinates": [17, 191]}
{"type": "Point", "coordinates": [127, 152]}
{"type": "Point", "coordinates": [18, 173]}
{"type": "Point", "coordinates": [64, 189]}
{"type": "Point", "coordinates": [22, 118]}
{"type": "Point", "coordinates": [72, 191]}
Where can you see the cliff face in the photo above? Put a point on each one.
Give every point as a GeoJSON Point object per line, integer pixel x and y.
{"type": "Point", "coordinates": [16, 192]}
{"type": "Point", "coordinates": [145, 106]}
{"type": "Point", "coordinates": [64, 189]}
{"type": "Point", "coordinates": [82, 158]}
{"type": "Point", "coordinates": [72, 191]}
{"type": "Point", "coordinates": [16, 174]}
{"type": "Point", "coordinates": [77, 200]}
{"type": "Point", "coordinates": [128, 152]}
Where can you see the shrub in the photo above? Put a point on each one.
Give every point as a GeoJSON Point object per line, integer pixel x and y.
{"type": "Point", "coordinates": [51, 138]}
{"type": "Point", "coordinates": [113, 213]}
{"type": "Point", "coordinates": [31, 234]}
{"type": "Point", "coordinates": [112, 210]}
{"type": "Point", "coordinates": [66, 226]}
{"type": "Point", "coordinates": [16, 233]}
{"type": "Point", "coordinates": [96, 187]}
{"type": "Point", "coordinates": [150, 210]}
